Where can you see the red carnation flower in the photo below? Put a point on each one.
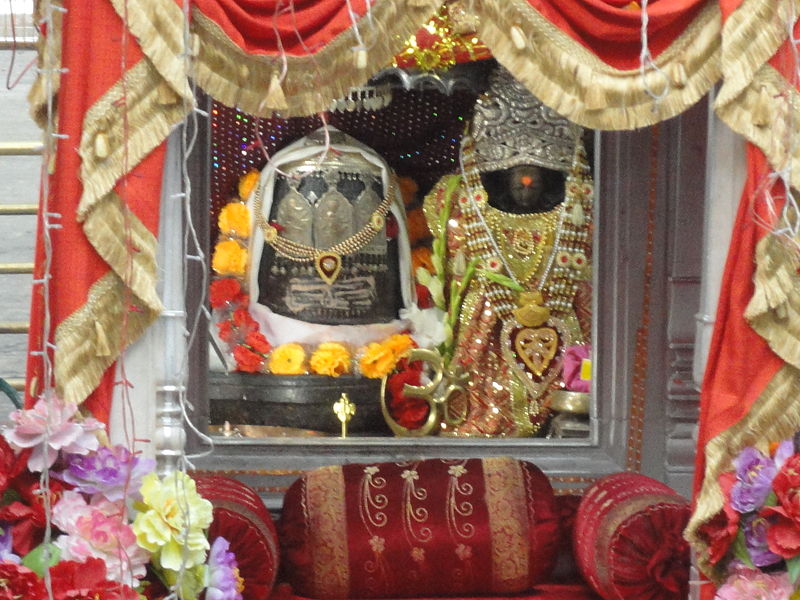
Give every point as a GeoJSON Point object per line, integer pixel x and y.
{"type": "Point", "coordinates": [247, 360]}
{"type": "Point", "coordinates": [409, 412]}
{"type": "Point", "coordinates": [783, 538]}
{"type": "Point", "coordinates": [424, 299]}
{"type": "Point", "coordinates": [11, 464]}
{"type": "Point", "coordinates": [243, 321]}
{"type": "Point", "coordinates": [225, 329]}
{"type": "Point", "coordinates": [721, 530]}
{"type": "Point", "coordinates": [18, 582]}
{"type": "Point", "coordinates": [258, 342]}
{"type": "Point", "coordinates": [224, 291]}
{"type": "Point", "coordinates": [87, 581]}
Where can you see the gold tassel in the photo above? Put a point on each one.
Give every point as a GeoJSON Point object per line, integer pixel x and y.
{"type": "Point", "coordinates": [762, 109]}
{"type": "Point", "coordinates": [678, 74]}
{"type": "Point", "coordinates": [244, 73]}
{"type": "Point", "coordinates": [101, 347]}
{"type": "Point", "coordinates": [360, 58]}
{"type": "Point", "coordinates": [518, 37]}
{"type": "Point", "coordinates": [101, 146]}
{"type": "Point", "coordinates": [195, 45]}
{"type": "Point", "coordinates": [595, 96]}
{"type": "Point", "coordinates": [275, 97]}
{"type": "Point", "coordinates": [166, 95]}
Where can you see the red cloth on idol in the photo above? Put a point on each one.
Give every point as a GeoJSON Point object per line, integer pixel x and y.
{"type": "Point", "coordinates": [93, 53]}
{"type": "Point", "coordinates": [546, 591]}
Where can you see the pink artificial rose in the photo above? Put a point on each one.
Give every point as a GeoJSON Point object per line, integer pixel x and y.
{"type": "Point", "coordinates": [752, 584]}
{"type": "Point", "coordinates": [573, 359]}
{"type": "Point", "coordinates": [99, 530]}
{"type": "Point", "coordinates": [48, 428]}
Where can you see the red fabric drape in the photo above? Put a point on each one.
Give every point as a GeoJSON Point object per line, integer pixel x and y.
{"type": "Point", "coordinates": [613, 32]}
{"type": "Point", "coordinates": [94, 51]}
{"type": "Point", "coordinates": [299, 28]}
{"type": "Point", "coordinates": [740, 362]}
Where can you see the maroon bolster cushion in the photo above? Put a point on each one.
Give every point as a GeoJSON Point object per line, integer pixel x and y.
{"type": "Point", "coordinates": [241, 518]}
{"type": "Point", "coordinates": [628, 539]}
{"type": "Point", "coordinates": [419, 529]}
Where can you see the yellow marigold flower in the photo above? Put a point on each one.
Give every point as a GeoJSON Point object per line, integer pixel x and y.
{"type": "Point", "coordinates": [171, 525]}
{"type": "Point", "coordinates": [287, 359]}
{"type": "Point", "coordinates": [247, 183]}
{"type": "Point", "coordinates": [378, 360]}
{"type": "Point", "coordinates": [234, 219]}
{"type": "Point", "coordinates": [229, 258]}
{"type": "Point", "coordinates": [399, 344]}
{"type": "Point", "coordinates": [330, 358]}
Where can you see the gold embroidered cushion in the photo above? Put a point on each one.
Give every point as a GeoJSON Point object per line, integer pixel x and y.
{"type": "Point", "coordinates": [419, 529]}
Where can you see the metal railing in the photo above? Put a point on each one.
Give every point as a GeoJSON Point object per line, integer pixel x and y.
{"type": "Point", "coordinates": [17, 27]}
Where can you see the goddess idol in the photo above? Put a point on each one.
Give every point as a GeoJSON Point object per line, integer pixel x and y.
{"type": "Point", "coordinates": [516, 227]}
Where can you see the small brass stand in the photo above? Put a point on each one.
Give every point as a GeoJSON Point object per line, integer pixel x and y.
{"type": "Point", "coordinates": [344, 409]}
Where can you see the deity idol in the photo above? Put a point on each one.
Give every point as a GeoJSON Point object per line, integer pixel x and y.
{"type": "Point", "coordinates": [325, 265]}
{"type": "Point", "coordinates": [518, 246]}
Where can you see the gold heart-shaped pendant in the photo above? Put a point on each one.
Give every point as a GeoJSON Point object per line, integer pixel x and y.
{"type": "Point", "coordinates": [536, 347]}
{"type": "Point", "coordinates": [329, 265]}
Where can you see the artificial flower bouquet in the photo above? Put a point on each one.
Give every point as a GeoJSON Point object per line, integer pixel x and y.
{"type": "Point", "coordinates": [96, 521]}
{"type": "Point", "coordinates": [756, 536]}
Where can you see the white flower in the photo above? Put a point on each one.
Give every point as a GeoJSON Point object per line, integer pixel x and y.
{"type": "Point", "coordinates": [427, 325]}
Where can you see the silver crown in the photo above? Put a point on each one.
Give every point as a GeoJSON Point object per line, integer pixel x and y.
{"type": "Point", "coordinates": [512, 127]}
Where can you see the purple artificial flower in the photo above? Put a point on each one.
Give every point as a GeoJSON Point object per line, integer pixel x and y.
{"type": "Point", "coordinates": [223, 578]}
{"type": "Point", "coordinates": [755, 539]}
{"type": "Point", "coordinates": [112, 472]}
{"type": "Point", "coordinates": [754, 475]}
{"type": "Point", "coordinates": [6, 541]}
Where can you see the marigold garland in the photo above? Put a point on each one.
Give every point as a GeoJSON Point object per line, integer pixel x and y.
{"type": "Point", "coordinates": [288, 359]}
{"type": "Point", "coordinates": [380, 359]}
{"type": "Point", "coordinates": [247, 183]}
{"type": "Point", "coordinates": [234, 219]}
{"type": "Point", "coordinates": [230, 258]}
{"type": "Point", "coordinates": [330, 358]}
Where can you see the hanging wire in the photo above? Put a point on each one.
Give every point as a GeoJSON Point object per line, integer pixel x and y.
{"type": "Point", "coordinates": [647, 64]}
{"type": "Point", "coordinates": [9, 84]}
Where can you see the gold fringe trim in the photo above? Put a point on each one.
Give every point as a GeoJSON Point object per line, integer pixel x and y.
{"type": "Point", "coordinates": [774, 416]}
{"type": "Point", "coordinates": [769, 93]}
{"type": "Point", "coordinates": [158, 27]}
{"type": "Point", "coordinates": [124, 142]}
{"type": "Point", "coordinates": [774, 309]}
{"type": "Point", "coordinates": [78, 365]}
{"type": "Point", "coordinates": [127, 246]}
{"type": "Point", "coordinates": [236, 78]}
{"type": "Point", "coordinates": [37, 95]}
{"type": "Point", "coordinates": [573, 81]}
{"type": "Point", "coordinates": [750, 37]}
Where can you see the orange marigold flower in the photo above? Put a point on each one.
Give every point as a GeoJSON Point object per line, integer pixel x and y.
{"type": "Point", "coordinates": [378, 360]}
{"type": "Point", "coordinates": [399, 344]}
{"type": "Point", "coordinates": [288, 359]}
{"type": "Point", "coordinates": [229, 258]}
{"type": "Point", "coordinates": [421, 257]}
{"type": "Point", "coordinates": [330, 358]}
{"type": "Point", "coordinates": [417, 226]}
{"type": "Point", "coordinates": [234, 219]}
{"type": "Point", "coordinates": [247, 183]}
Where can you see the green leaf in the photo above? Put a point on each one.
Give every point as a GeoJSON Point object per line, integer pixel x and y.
{"type": "Point", "coordinates": [772, 499]}
{"type": "Point", "coordinates": [41, 558]}
{"type": "Point", "coordinates": [502, 280]}
{"type": "Point", "coordinates": [793, 566]}
{"type": "Point", "coordinates": [740, 550]}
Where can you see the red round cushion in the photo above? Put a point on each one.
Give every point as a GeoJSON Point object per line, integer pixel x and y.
{"type": "Point", "coordinates": [628, 539]}
{"type": "Point", "coordinates": [241, 518]}
{"type": "Point", "coordinates": [419, 529]}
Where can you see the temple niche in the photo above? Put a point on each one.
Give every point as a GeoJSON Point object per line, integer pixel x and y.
{"type": "Point", "coordinates": [426, 249]}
